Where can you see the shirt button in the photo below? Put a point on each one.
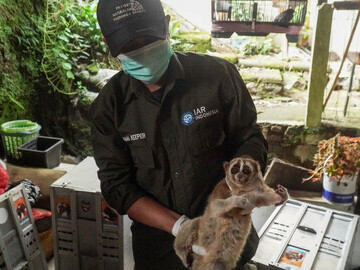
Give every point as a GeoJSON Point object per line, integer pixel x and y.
{"type": "Point", "coordinates": [176, 174]}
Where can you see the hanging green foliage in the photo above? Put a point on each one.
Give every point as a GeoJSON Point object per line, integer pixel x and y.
{"type": "Point", "coordinates": [20, 54]}
{"type": "Point", "coordinates": [71, 38]}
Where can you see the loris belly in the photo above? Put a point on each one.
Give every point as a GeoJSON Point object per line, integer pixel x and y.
{"type": "Point", "coordinates": [225, 225]}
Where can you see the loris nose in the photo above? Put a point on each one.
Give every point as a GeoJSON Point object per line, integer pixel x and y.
{"type": "Point", "coordinates": [241, 178]}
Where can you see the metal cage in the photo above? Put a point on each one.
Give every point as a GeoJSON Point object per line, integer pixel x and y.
{"type": "Point", "coordinates": [261, 17]}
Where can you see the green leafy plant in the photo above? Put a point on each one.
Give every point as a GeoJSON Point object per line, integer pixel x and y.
{"type": "Point", "coordinates": [239, 12]}
{"type": "Point", "coordinates": [305, 32]}
{"type": "Point", "coordinates": [253, 46]}
{"type": "Point", "coordinates": [12, 107]}
{"type": "Point", "coordinates": [266, 46]}
{"type": "Point", "coordinates": [20, 46]}
{"type": "Point", "coordinates": [71, 37]}
{"type": "Point", "coordinates": [298, 13]}
{"type": "Point", "coordinates": [88, 27]}
{"type": "Point", "coordinates": [243, 11]}
{"type": "Point", "coordinates": [174, 30]}
{"type": "Point", "coordinates": [27, 38]}
{"type": "Point", "coordinates": [337, 156]}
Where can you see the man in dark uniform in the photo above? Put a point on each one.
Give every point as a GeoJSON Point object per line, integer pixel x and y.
{"type": "Point", "coordinates": [163, 127]}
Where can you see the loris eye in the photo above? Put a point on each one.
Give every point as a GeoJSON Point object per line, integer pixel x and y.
{"type": "Point", "coordinates": [246, 170]}
{"type": "Point", "coordinates": [235, 169]}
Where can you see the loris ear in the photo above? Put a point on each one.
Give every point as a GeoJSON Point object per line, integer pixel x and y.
{"type": "Point", "coordinates": [226, 165]}
{"type": "Point", "coordinates": [257, 167]}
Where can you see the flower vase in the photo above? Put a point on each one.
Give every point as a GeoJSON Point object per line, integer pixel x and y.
{"type": "Point", "coordinates": [339, 192]}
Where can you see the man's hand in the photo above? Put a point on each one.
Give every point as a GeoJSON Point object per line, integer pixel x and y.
{"type": "Point", "coordinates": [178, 224]}
{"type": "Point", "coordinates": [190, 250]}
{"type": "Point", "coordinates": [184, 246]}
{"type": "Point", "coordinates": [194, 249]}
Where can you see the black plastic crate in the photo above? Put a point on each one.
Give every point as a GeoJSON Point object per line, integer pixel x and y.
{"type": "Point", "coordinates": [44, 152]}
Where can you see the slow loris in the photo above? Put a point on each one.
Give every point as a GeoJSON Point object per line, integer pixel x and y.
{"type": "Point", "coordinates": [225, 225]}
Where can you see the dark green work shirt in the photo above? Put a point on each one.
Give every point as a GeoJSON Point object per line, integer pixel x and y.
{"type": "Point", "coordinates": [173, 149]}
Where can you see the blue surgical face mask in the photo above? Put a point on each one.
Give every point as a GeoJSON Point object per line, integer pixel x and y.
{"type": "Point", "coordinates": [148, 63]}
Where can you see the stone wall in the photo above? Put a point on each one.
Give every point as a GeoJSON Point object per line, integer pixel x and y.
{"type": "Point", "coordinates": [298, 144]}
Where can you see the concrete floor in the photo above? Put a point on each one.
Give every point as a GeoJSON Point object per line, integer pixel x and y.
{"type": "Point", "coordinates": [295, 111]}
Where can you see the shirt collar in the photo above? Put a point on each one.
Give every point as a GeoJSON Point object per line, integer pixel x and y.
{"type": "Point", "coordinates": [175, 71]}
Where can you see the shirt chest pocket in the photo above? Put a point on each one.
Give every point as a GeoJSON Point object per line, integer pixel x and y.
{"type": "Point", "coordinates": [142, 155]}
{"type": "Point", "coordinates": [204, 137]}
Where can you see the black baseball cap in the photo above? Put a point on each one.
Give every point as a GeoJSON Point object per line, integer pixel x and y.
{"type": "Point", "coordinates": [123, 20]}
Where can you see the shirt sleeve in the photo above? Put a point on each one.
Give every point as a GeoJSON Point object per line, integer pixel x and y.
{"type": "Point", "coordinates": [244, 135]}
{"type": "Point", "coordinates": [112, 156]}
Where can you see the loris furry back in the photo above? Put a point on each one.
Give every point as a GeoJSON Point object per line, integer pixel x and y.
{"type": "Point", "coordinates": [225, 225]}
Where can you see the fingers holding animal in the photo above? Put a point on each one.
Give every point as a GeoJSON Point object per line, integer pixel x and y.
{"type": "Point", "coordinates": [184, 240]}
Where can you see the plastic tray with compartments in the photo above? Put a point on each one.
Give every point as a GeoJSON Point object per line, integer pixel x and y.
{"type": "Point", "coordinates": [304, 236]}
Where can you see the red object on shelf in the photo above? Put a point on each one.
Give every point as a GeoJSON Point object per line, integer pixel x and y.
{"type": "Point", "coordinates": [40, 214]}
{"type": "Point", "coordinates": [4, 180]}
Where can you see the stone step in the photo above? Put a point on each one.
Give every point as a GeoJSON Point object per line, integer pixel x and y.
{"type": "Point", "coordinates": [264, 75]}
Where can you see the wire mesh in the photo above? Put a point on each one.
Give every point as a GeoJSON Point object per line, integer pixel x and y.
{"type": "Point", "coordinates": [276, 11]}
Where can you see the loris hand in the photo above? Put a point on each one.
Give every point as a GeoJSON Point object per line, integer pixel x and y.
{"type": "Point", "coordinates": [185, 238]}
{"type": "Point", "coordinates": [282, 192]}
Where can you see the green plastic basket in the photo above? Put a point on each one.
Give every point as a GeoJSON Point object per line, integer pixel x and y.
{"type": "Point", "coordinates": [16, 133]}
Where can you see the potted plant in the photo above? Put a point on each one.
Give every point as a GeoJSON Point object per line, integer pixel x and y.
{"type": "Point", "coordinates": [337, 163]}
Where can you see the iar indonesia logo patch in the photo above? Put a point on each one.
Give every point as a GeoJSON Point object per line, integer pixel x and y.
{"type": "Point", "coordinates": [187, 119]}
{"type": "Point", "coordinates": [199, 113]}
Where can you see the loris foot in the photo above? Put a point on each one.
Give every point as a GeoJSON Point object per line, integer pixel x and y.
{"type": "Point", "coordinates": [282, 192]}
{"type": "Point", "coordinates": [189, 258]}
